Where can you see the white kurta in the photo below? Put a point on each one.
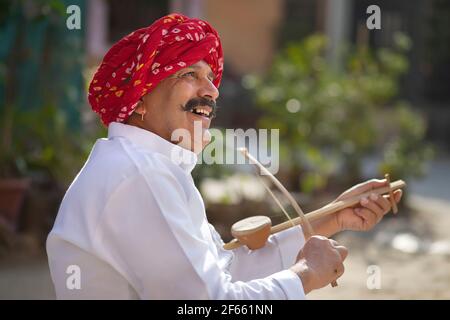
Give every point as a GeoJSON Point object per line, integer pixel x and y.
{"type": "Point", "coordinates": [134, 225]}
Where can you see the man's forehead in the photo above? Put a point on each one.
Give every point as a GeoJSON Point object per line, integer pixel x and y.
{"type": "Point", "coordinates": [200, 64]}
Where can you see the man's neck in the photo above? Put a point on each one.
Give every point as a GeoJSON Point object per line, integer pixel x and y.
{"type": "Point", "coordinates": [134, 120]}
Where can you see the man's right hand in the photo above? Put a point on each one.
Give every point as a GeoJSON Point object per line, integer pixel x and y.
{"type": "Point", "coordinates": [319, 262]}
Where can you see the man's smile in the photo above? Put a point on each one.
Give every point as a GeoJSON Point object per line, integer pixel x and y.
{"type": "Point", "coordinates": [203, 111]}
{"type": "Point", "coordinates": [201, 114]}
{"type": "Point", "coordinates": [201, 107]}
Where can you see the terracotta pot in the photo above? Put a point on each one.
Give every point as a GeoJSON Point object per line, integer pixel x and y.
{"type": "Point", "coordinates": [12, 193]}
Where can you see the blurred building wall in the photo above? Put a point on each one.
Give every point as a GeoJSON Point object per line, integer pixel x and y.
{"type": "Point", "coordinates": [248, 30]}
{"type": "Point", "coordinates": [42, 58]}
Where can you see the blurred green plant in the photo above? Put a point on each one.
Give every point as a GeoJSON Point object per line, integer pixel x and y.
{"type": "Point", "coordinates": [330, 122]}
{"type": "Point", "coordinates": [37, 138]}
{"type": "Point", "coordinates": [44, 146]}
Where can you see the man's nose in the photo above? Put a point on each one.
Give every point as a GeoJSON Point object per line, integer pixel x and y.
{"type": "Point", "coordinates": [208, 90]}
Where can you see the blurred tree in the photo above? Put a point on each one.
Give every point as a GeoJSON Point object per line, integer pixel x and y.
{"type": "Point", "coordinates": [55, 152]}
{"type": "Point", "coordinates": [438, 52]}
{"type": "Point", "coordinates": [331, 121]}
{"type": "Point", "coordinates": [41, 64]}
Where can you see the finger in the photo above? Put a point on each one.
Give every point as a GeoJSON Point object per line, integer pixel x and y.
{"type": "Point", "coordinates": [373, 206]}
{"type": "Point", "coordinates": [379, 201]}
{"type": "Point", "coordinates": [339, 270]}
{"type": "Point", "coordinates": [343, 252]}
{"type": "Point", "coordinates": [366, 186]}
{"type": "Point", "coordinates": [317, 238]}
{"type": "Point", "coordinates": [334, 243]}
{"type": "Point", "coordinates": [369, 218]}
{"type": "Point", "coordinates": [398, 195]}
{"type": "Point", "coordinates": [383, 202]}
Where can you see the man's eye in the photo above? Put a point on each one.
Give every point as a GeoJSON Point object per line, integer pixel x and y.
{"type": "Point", "coordinates": [188, 74]}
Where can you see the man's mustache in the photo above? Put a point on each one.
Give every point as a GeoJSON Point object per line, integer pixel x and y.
{"type": "Point", "coordinates": [200, 101]}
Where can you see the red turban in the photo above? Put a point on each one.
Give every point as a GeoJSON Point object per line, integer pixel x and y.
{"type": "Point", "coordinates": [140, 60]}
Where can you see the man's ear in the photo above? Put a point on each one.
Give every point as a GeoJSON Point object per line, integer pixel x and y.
{"type": "Point", "coordinates": [140, 108]}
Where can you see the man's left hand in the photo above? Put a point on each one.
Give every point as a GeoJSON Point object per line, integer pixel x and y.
{"type": "Point", "coordinates": [365, 215]}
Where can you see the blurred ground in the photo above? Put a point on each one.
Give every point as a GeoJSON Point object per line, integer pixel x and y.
{"type": "Point", "coordinates": [26, 278]}
{"type": "Point", "coordinates": [418, 269]}
{"type": "Point", "coordinates": [413, 255]}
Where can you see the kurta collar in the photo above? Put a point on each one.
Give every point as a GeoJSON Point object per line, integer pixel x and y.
{"type": "Point", "coordinates": [184, 158]}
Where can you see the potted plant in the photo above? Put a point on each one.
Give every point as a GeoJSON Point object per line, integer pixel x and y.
{"type": "Point", "coordinates": [13, 180]}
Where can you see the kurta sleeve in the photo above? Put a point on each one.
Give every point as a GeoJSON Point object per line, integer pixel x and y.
{"type": "Point", "coordinates": [278, 254]}
{"type": "Point", "coordinates": [147, 233]}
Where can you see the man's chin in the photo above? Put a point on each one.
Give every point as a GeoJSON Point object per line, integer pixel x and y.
{"type": "Point", "coordinates": [194, 139]}
{"type": "Point", "coordinates": [194, 146]}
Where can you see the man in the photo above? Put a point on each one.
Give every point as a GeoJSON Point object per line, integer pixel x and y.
{"type": "Point", "coordinates": [133, 225]}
